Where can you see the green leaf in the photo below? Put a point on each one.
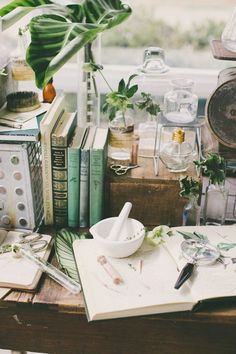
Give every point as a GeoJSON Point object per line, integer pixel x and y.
{"type": "Point", "coordinates": [121, 86]}
{"type": "Point", "coordinates": [130, 79]}
{"type": "Point", "coordinates": [226, 246]}
{"type": "Point", "coordinates": [64, 252]}
{"type": "Point", "coordinates": [189, 187]}
{"type": "Point", "coordinates": [131, 91]}
{"type": "Point", "coordinates": [213, 167]}
{"type": "Point", "coordinates": [56, 37]}
{"type": "Point", "coordinates": [194, 236]}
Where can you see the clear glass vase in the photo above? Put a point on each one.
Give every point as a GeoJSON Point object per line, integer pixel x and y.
{"type": "Point", "coordinates": [215, 205]}
{"type": "Point", "coordinates": [121, 137]}
{"type": "Point", "coordinates": [191, 212]}
{"type": "Point", "coordinates": [228, 36]}
{"type": "Point", "coordinates": [180, 103]}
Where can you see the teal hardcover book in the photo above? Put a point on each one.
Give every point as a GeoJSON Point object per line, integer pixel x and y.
{"type": "Point", "coordinates": [74, 176]}
{"type": "Point", "coordinates": [84, 178]}
{"type": "Point", "coordinates": [98, 159]}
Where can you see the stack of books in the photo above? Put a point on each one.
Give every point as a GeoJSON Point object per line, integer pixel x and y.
{"type": "Point", "coordinates": [21, 126]}
{"type": "Point", "coordinates": [73, 166]}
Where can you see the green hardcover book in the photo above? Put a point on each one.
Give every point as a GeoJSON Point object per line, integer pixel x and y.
{"type": "Point", "coordinates": [60, 138]}
{"type": "Point", "coordinates": [98, 159]}
{"type": "Point", "coordinates": [84, 178]}
{"type": "Point", "coordinates": [74, 176]}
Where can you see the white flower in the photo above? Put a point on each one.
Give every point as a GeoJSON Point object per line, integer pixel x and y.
{"type": "Point", "coordinates": [157, 235]}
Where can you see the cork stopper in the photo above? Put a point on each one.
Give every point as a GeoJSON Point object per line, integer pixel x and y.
{"type": "Point", "coordinates": [178, 135]}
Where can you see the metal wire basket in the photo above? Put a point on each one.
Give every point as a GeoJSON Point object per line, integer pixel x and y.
{"type": "Point", "coordinates": [21, 187]}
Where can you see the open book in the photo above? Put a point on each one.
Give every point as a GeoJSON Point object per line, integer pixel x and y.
{"type": "Point", "coordinates": [149, 276]}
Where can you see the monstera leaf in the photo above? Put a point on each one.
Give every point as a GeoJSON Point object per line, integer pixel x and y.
{"type": "Point", "coordinates": [59, 34]}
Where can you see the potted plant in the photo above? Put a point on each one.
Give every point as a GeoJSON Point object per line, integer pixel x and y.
{"type": "Point", "coordinates": [191, 190]}
{"type": "Point", "coordinates": [216, 195]}
{"type": "Point", "coordinates": [62, 30]}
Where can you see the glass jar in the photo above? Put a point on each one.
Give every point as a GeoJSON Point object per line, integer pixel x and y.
{"type": "Point", "coordinates": [150, 75]}
{"type": "Point", "coordinates": [215, 204]}
{"type": "Point", "coordinates": [191, 212]}
{"type": "Point", "coordinates": [228, 36]}
{"type": "Point", "coordinates": [177, 154]}
{"type": "Point", "coordinates": [121, 137]}
{"type": "Point", "coordinates": [180, 104]}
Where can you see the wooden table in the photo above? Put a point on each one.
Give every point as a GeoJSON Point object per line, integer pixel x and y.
{"type": "Point", "coordinates": [54, 321]}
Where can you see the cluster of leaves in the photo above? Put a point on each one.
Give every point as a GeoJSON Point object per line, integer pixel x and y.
{"type": "Point", "coordinates": [148, 104]}
{"type": "Point", "coordinates": [213, 167]}
{"type": "Point", "coordinates": [190, 187]}
{"type": "Point", "coordinates": [64, 28]}
{"type": "Point", "coordinates": [120, 100]}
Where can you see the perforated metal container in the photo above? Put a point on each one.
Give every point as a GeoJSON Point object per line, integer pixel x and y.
{"type": "Point", "coordinates": [21, 197]}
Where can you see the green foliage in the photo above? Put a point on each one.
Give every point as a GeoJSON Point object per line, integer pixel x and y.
{"type": "Point", "coordinates": [64, 250]}
{"type": "Point", "coordinates": [213, 167]}
{"type": "Point", "coordinates": [64, 30]}
{"type": "Point", "coordinates": [165, 35]}
{"type": "Point", "coordinates": [190, 187]}
{"type": "Point", "coordinates": [120, 100]}
{"type": "Point", "coordinates": [148, 104]}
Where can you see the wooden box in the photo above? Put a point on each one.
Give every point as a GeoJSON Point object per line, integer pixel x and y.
{"type": "Point", "coordinates": [155, 199]}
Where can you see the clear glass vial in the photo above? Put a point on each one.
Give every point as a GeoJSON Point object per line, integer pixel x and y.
{"type": "Point", "coordinates": [180, 103]}
{"type": "Point", "coordinates": [177, 154]}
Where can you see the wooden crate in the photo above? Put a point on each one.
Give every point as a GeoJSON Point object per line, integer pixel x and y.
{"type": "Point", "coordinates": [155, 199]}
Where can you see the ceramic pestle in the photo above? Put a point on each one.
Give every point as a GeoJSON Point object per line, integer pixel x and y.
{"type": "Point", "coordinates": [115, 231]}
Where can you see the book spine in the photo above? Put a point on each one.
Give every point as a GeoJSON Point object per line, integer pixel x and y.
{"type": "Point", "coordinates": [59, 180]}
{"type": "Point", "coordinates": [96, 185]}
{"type": "Point", "coordinates": [46, 127]}
{"type": "Point", "coordinates": [47, 177]}
{"type": "Point", "coordinates": [73, 186]}
{"type": "Point", "coordinates": [84, 189]}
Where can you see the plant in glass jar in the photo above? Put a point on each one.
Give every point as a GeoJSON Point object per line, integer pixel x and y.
{"type": "Point", "coordinates": [216, 195]}
{"type": "Point", "coordinates": [191, 190]}
{"type": "Point", "coordinates": [117, 105]}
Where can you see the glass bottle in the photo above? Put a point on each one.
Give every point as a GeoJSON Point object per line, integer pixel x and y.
{"type": "Point", "coordinates": [215, 204]}
{"type": "Point", "coordinates": [228, 37]}
{"type": "Point", "coordinates": [177, 154]}
{"type": "Point", "coordinates": [150, 73]}
{"type": "Point", "coordinates": [191, 212]}
{"type": "Point", "coordinates": [180, 103]}
{"type": "Point", "coordinates": [21, 71]}
{"type": "Point", "coordinates": [49, 92]}
{"type": "Point", "coordinates": [121, 137]}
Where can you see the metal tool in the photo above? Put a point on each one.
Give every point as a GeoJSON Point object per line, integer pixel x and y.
{"type": "Point", "coordinates": [121, 169]}
{"type": "Point", "coordinates": [28, 246]}
{"type": "Point", "coordinates": [196, 253]}
{"type": "Point", "coordinates": [34, 240]}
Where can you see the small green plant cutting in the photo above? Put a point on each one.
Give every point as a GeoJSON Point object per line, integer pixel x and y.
{"type": "Point", "coordinates": [191, 190]}
{"type": "Point", "coordinates": [213, 167]}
